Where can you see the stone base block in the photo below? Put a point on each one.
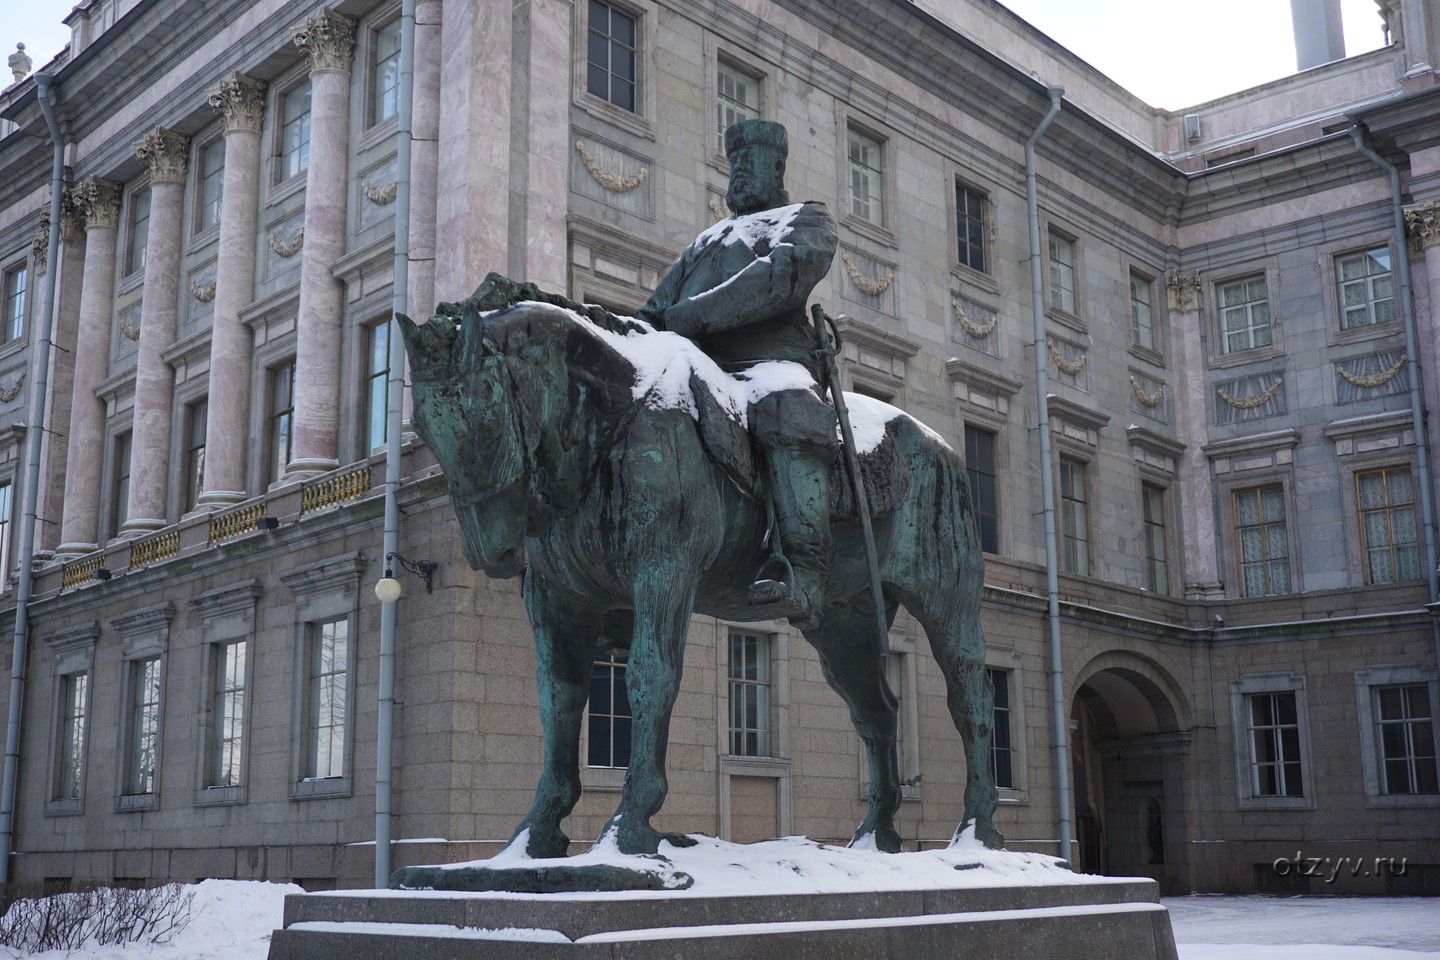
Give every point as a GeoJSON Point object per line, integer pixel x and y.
{"type": "Point", "coordinates": [1119, 920]}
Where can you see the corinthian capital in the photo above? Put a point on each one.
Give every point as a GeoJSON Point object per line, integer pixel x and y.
{"type": "Point", "coordinates": [72, 217]}
{"type": "Point", "coordinates": [40, 243]}
{"type": "Point", "coordinates": [327, 39]}
{"type": "Point", "coordinates": [1184, 291]}
{"type": "Point", "coordinates": [1422, 226]}
{"type": "Point", "coordinates": [163, 152]}
{"type": "Point", "coordinates": [240, 100]}
{"type": "Point", "coordinates": [98, 201]}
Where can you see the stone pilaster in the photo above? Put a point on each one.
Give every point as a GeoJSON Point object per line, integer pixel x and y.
{"type": "Point", "coordinates": [240, 100]}
{"type": "Point", "coordinates": [98, 202]}
{"type": "Point", "coordinates": [1422, 231]}
{"type": "Point", "coordinates": [1202, 580]}
{"type": "Point", "coordinates": [327, 40]}
{"type": "Point", "coordinates": [164, 154]}
{"type": "Point", "coordinates": [54, 453]}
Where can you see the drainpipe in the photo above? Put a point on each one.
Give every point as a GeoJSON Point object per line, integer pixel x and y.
{"type": "Point", "coordinates": [1047, 486]}
{"type": "Point", "coordinates": [395, 384]}
{"type": "Point", "coordinates": [1417, 407]}
{"type": "Point", "coordinates": [34, 435]}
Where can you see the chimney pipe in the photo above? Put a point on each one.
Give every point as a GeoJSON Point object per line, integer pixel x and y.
{"type": "Point", "coordinates": [1319, 34]}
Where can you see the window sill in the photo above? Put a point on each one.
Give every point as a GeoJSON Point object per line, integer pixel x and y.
{"type": "Point", "coordinates": [1277, 803]}
{"type": "Point", "coordinates": [216, 796]}
{"type": "Point", "coordinates": [74, 807]}
{"type": "Point", "coordinates": [975, 278]}
{"type": "Point", "coordinates": [1148, 354]}
{"type": "Point", "coordinates": [1066, 319]}
{"type": "Point", "coordinates": [603, 779]}
{"type": "Point", "coordinates": [1240, 358]}
{"type": "Point", "coordinates": [285, 188]}
{"type": "Point", "coordinates": [867, 228]}
{"type": "Point", "coordinates": [1369, 331]}
{"type": "Point", "coordinates": [136, 802]}
{"type": "Point", "coordinates": [627, 120]}
{"type": "Point", "coordinates": [378, 133]}
{"type": "Point", "coordinates": [201, 239]}
{"type": "Point", "coordinates": [1390, 800]}
{"type": "Point", "coordinates": [320, 789]}
{"type": "Point", "coordinates": [11, 347]}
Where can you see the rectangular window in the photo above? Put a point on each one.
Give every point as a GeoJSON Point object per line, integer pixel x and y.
{"type": "Point", "coordinates": [142, 726]}
{"type": "Point", "coordinates": [611, 73]}
{"type": "Point", "coordinates": [7, 505]}
{"type": "Point", "coordinates": [281, 418]}
{"type": "Point", "coordinates": [1405, 724]}
{"type": "Point", "coordinates": [385, 74]}
{"type": "Point", "coordinates": [1244, 314]}
{"type": "Point", "coordinates": [749, 695]}
{"type": "Point", "coordinates": [12, 324]}
{"type": "Point", "coordinates": [377, 372]}
{"type": "Point", "coordinates": [1367, 288]}
{"type": "Point", "coordinates": [120, 502]}
{"type": "Point", "coordinates": [1157, 574]}
{"type": "Point", "coordinates": [294, 133]}
{"type": "Point", "coordinates": [1002, 746]}
{"type": "Point", "coordinates": [1275, 768]}
{"type": "Point", "coordinates": [737, 98]}
{"type": "Point", "coordinates": [195, 453]}
{"type": "Point", "coordinates": [609, 733]}
{"type": "Point", "coordinates": [1389, 537]}
{"type": "Point", "coordinates": [866, 170]}
{"type": "Point", "coordinates": [328, 698]}
{"type": "Point", "coordinates": [211, 186]}
{"type": "Point", "coordinates": [984, 489]}
{"type": "Point", "coordinates": [137, 233]}
{"type": "Point", "coordinates": [970, 226]}
{"type": "Point", "coordinates": [1142, 311]}
{"type": "Point", "coordinates": [227, 704]}
{"type": "Point", "coordinates": [1263, 543]}
{"type": "Point", "coordinates": [1062, 273]}
{"type": "Point", "coordinates": [1074, 519]}
{"type": "Point", "coordinates": [70, 759]}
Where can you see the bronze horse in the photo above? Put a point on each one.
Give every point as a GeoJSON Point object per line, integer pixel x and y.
{"type": "Point", "coordinates": [626, 515]}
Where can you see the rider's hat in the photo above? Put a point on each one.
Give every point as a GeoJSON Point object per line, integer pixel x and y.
{"type": "Point", "coordinates": [756, 133]}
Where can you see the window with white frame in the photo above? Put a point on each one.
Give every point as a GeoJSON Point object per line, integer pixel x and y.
{"type": "Point", "coordinates": [71, 739]}
{"type": "Point", "coordinates": [196, 415]}
{"type": "Point", "coordinates": [1074, 517]}
{"type": "Point", "coordinates": [142, 727]}
{"type": "Point", "coordinates": [1273, 728]}
{"type": "Point", "coordinates": [385, 73]}
{"type": "Point", "coordinates": [984, 485]}
{"type": "Point", "coordinates": [1366, 288]}
{"type": "Point", "coordinates": [1389, 536]}
{"type": "Point", "coordinates": [1142, 310]}
{"type": "Point", "coordinates": [327, 700]}
{"type": "Point", "coordinates": [1262, 541]}
{"type": "Point", "coordinates": [137, 231]}
{"type": "Point", "coordinates": [866, 166]}
{"type": "Point", "coordinates": [281, 418]}
{"type": "Point", "coordinates": [611, 55]}
{"type": "Point", "coordinates": [1062, 272]}
{"type": "Point", "coordinates": [294, 153]}
{"type": "Point", "coordinates": [1244, 313]}
{"type": "Point", "coordinates": [12, 324]}
{"type": "Point", "coordinates": [228, 697]}
{"type": "Point", "coordinates": [737, 98]}
{"type": "Point", "coordinates": [608, 732]}
{"type": "Point", "coordinates": [1002, 744]}
{"type": "Point", "coordinates": [970, 227]}
{"type": "Point", "coordinates": [749, 673]}
{"type": "Point", "coordinates": [377, 373]}
{"type": "Point", "coordinates": [1404, 717]}
{"type": "Point", "coordinates": [210, 184]}
{"type": "Point", "coordinates": [1157, 568]}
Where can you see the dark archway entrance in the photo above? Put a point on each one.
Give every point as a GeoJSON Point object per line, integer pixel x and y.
{"type": "Point", "coordinates": [1127, 757]}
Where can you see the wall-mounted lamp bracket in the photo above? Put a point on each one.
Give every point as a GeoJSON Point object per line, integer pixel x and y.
{"type": "Point", "coordinates": [423, 569]}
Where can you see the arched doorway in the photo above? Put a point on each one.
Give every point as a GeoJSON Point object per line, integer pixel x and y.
{"type": "Point", "coordinates": [1127, 758]}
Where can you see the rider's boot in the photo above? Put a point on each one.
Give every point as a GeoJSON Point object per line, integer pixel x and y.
{"type": "Point", "coordinates": [800, 487]}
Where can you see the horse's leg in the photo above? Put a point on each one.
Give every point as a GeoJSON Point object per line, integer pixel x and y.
{"type": "Point", "coordinates": [662, 616]}
{"type": "Point", "coordinates": [564, 649]}
{"type": "Point", "coordinates": [851, 658]}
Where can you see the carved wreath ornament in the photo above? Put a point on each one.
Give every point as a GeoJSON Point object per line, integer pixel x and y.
{"type": "Point", "coordinates": [715, 210]}
{"type": "Point", "coordinates": [610, 181]}
{"type": "Point", "coordinates": [1071, 367]}
{"type": "Point", "coordinates": [865, 284]}
{"type": "Point", "coordinates": [13, 391]}
{"type": "Point", "coordinates": [1377, 379]}
{"type": "Point", "coordinates": [977, 330]}
{"type": "Point", "coordinates": [1148, 399]}
{"type": "Point", "coordinates": [204, 293]}
{"type": "Point", "coordinates": [130, 331]}
{"type": "Point", "coordinates": [288, 248]}
{"type": "Point", "coordinates": [1250, 403]}
{"type": "Point", "coordinates": [380, 196]}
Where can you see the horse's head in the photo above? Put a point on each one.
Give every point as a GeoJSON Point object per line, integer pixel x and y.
{"type": "Point", "coordinates": [465, 411]}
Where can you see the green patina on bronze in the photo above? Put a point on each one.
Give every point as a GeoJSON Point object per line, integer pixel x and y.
{"type": "Point", "coordinates": [625, 518]}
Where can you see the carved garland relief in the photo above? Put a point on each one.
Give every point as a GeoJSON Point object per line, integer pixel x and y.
{"type": "Point", "coordinates": [977, 330]}
{"type": "Point", "coordinates": [1250, 403]}
{"type": "Point", "coordinates": [1377, 379]}
{"type": "Point", "coordinates": [1070, 367]}
{"type": "Point", "coordinates": [863, 283]}
{"type": "Point", "coordinates": [613, 182]}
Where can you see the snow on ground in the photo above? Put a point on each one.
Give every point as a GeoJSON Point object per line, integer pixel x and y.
{"type": "Point", "coordinates": [1211, 927]}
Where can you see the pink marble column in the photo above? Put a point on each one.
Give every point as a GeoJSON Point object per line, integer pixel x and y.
{"type": "Point", "coordinates": [68, 285]}
{"type": "Point", "coordinates": [550, 147]}
{"type": "Point", "coordinates": [1197, 513]}
{"type": "Point", "coordinates": [424, 158]}
{"type": "Point", "coordinates": [163, 152]}
{"type": "Point", "coordinates": [241, 101]}
{"type": "Point", "coordinates": [98, 201]}
{"type": "Point", "coordinates": [327, 39]}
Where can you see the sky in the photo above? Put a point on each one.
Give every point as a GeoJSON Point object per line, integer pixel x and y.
{"type": "Point", "coordinates": [1169, 54]}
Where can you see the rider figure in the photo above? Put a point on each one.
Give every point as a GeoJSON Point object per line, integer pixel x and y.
{"type": "Point", "coordinates": [767, 258]}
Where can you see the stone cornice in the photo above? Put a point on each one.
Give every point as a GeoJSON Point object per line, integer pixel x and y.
{"type": "Point", "coordinates": [98, 201]}
{"type": "Point", "coordinates": [163, 152]}
{"type": "Point", "coordinates": [327, 39]}
{"type": "Point", "coordinates": [328, 574]}
{"type": "Point", "coordinates": [240, 100]}
{"type": "Point", "coordinates": [223, 601]}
